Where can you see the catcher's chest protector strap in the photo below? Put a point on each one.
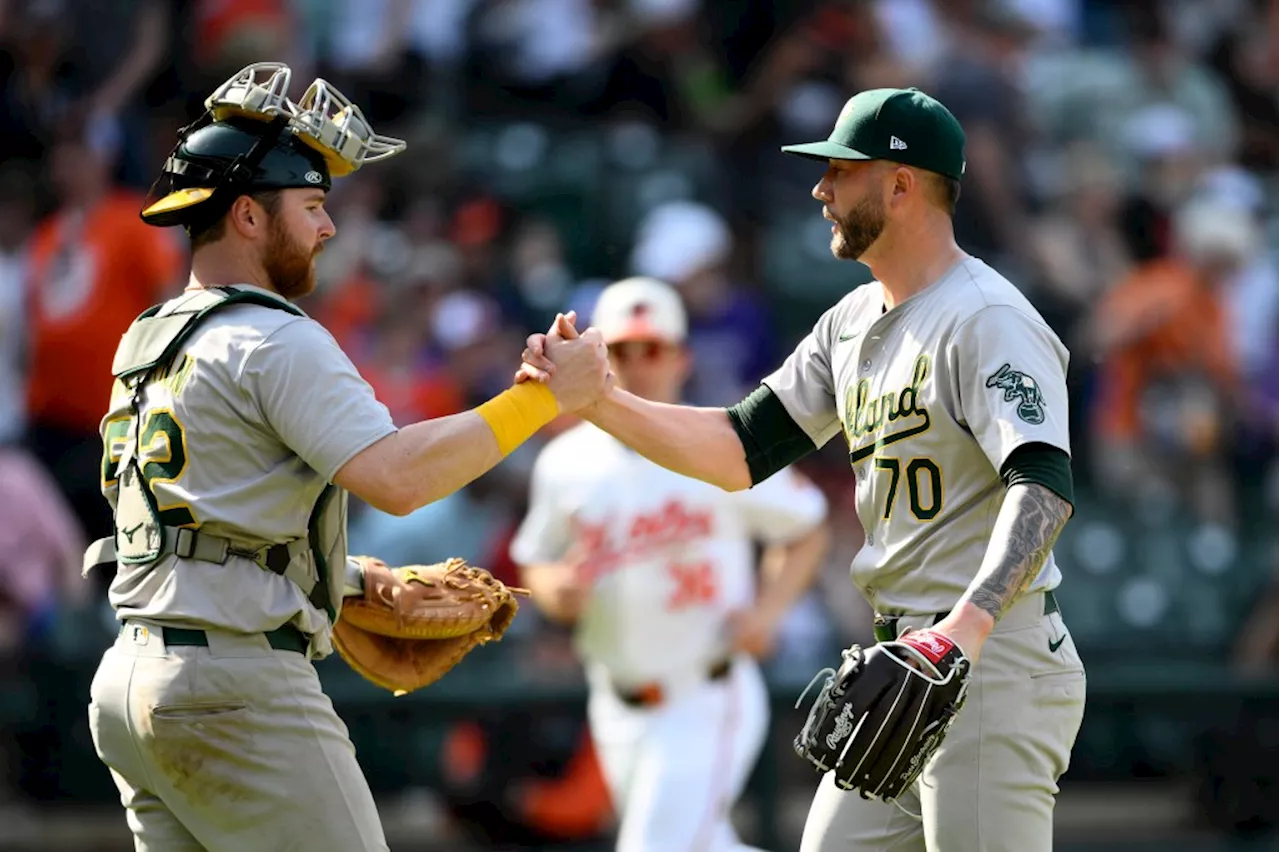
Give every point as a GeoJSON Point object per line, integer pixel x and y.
{"type": "Point", "coordinates": [149, 345]}
{"type": "Point", "coordinates": [155, 337]}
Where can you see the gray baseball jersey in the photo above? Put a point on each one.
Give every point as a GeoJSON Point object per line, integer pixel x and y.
{"type": "Point", "coordinates": [932, 398]}
{"type": "Point", "coordinates": [259, 410]}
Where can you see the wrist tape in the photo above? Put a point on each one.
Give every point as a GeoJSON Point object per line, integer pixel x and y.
{"type": "Point", "coordinates": [518, 412]}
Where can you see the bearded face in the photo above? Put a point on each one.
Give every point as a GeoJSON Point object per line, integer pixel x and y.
{"type": "Point", "coordinates": [289, 264]}
{"type": "Point", "coordinates": [859, 228]}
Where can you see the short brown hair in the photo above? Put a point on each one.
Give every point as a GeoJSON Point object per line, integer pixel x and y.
{"type": "Point", "coordinates": [946, 192]}
{"type": "Point", "coordinates": [203, 232]}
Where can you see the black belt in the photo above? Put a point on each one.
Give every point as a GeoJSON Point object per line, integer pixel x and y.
{"type": "Point", "coordinates": [652, 694]}
{"type": "Point", "coordinates": [886, 627]}
{"type": "Point", "coordinates": [286, 638]}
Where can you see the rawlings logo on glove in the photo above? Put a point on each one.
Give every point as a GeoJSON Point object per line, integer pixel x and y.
{"type": "Point", "coordinates": [416, 623]}
{"type": "Point", "coordinates": [880, 717]}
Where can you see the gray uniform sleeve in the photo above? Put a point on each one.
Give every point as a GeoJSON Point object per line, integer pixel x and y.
{"type": "Point", "coordinates": [805, 384]}
{"type": "Point", "coordinates": [312, 396]}
{"type": "Point", "coordinates": [1011, 373]}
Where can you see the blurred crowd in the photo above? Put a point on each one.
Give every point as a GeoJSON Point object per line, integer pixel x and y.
{"type": "Point", "coordinates": [1122, 165]}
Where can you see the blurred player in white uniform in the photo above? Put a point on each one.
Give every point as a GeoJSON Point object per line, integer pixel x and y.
{"type": "Point", "coordinates": [656, 571]}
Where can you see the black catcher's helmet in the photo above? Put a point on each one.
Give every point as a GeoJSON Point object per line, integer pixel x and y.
{"type": "Point", "coordinates": [252, 138]}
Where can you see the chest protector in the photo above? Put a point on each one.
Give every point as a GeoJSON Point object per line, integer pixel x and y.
{"type": "Point", "coordinates": [147, 349]}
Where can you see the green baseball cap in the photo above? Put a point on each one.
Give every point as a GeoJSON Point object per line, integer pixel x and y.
{"type": "Point", "coordinates": [903, 125]}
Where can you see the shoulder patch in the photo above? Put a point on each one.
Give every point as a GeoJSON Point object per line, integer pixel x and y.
{"type": "Point", "coordinates": [1022, 388]}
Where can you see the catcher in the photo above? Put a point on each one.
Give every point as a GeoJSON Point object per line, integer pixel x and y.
{"type": "Point", "coordinates": [236, 429]}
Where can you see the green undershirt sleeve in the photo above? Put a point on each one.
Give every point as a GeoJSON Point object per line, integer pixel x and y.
{"type": "Point", "coordinates": [1042, 464]}
{"type": "Point", "coordinates": [772, 440]}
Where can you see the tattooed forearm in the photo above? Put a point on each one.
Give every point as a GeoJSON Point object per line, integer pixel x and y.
{"type": "Point", "coordinates": [1029, 523]}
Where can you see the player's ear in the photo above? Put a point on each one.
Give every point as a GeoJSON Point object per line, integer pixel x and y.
{"type": "Point", "coordinates": [904, 182]}
{"type": "Point", "coordinates": [246, 217]}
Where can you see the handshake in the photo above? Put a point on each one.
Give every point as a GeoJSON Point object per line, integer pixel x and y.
{"type": "Point", "coordinates": [573, 366]}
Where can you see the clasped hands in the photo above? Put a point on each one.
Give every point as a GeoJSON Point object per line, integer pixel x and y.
{"type": "Point", "coordinates": [575, 367]}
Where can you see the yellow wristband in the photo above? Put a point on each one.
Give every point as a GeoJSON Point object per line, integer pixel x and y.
{"type": "Point", "coordinates": [518, 412]}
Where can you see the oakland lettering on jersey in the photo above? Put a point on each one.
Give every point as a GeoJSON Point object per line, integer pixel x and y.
{"type": "Point", "coordinates": [878, 418]}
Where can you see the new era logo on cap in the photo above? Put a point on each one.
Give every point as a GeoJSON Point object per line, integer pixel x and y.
{"type": "Point", "coordinates": [875, 124]}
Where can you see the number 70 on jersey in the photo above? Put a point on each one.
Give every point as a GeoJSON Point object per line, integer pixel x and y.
{"type": "Point", "coordinates": [923, 485]}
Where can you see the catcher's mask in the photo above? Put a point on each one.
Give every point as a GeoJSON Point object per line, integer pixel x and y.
{"type": "Point", "coordinates": [252, 138]}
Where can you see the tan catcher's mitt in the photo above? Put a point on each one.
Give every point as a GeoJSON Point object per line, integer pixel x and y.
{"type": "Point", "coordinates": [416, 623]}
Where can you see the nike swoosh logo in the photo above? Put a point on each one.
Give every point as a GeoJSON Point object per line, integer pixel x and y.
{"type": "Point", "coordinates": [845, 338]}
{"type": "Point", "coordinates": [1054, 646]}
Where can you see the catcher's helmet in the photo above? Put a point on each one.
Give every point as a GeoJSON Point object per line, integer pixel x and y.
{"type": "Point", "coordinates": [252, 138]}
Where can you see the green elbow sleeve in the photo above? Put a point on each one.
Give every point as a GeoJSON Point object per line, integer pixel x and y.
{"type": "Point", "coordinates": [771, 439]}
